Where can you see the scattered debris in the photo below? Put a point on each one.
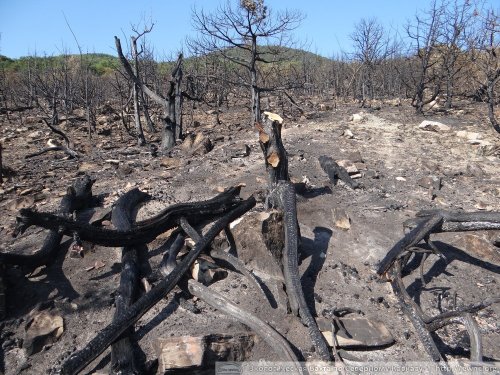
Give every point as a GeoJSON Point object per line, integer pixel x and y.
{"type": "Point", "coordinates": [198, 352]}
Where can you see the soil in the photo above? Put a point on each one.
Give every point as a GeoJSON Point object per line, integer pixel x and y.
{"type": "Point", "coordinates": [338, 265]}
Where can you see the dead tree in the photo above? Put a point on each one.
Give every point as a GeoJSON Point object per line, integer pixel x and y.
{"type": "Point", "coordinates": [245, 28]}
{"type": "Point", "coordinates": [275, 157]}
{"type": "Point", "coordinates": [425, 33]}
{"type": "Point", "coordinates": [371, 48]}
{"type": "Point", "coordinates": [455, 27]}
{"type": "Point", "coordinates": [171, 107]}
{"type": "Point", "coordinates": [136, 90]}
{"type": "Point", "coordinates": [485, 47]}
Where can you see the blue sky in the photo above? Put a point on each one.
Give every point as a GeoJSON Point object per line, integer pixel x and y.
{"type": "Point", "coordinates": [38, 26]}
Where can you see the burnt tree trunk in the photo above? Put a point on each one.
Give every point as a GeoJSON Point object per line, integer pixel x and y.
{"type": "Point", "coordinates": [168, 131]}
{"type": "Point", "coordinates": [136, 89]}
{"type": "Point", "coordinates": [490, 93]}
{"type": "Point", "coordinates": [177, 79]}
{"type": "Point", "coordinates": [275, 157]}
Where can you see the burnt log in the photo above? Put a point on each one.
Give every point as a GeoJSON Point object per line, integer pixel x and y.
{"type": "Point", "coordinates": [144, 231]}
{"type": "Point", "coordinates": [109, 334]}
{"type": "Point", "coordinates": [77, 197]}
{"type": "Point", "coordinates": [335, 172]}
{"type": "Point", "coordinates": [123, 359]}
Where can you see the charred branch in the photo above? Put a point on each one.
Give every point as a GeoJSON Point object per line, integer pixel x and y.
{"type": "Point", "coordinates": [283, 197]}
{"type": "Point", "coordinates": [393, 264]}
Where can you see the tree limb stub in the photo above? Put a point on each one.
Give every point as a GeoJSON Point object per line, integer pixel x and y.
{"type": "Point", "coordinates": [109, 334]}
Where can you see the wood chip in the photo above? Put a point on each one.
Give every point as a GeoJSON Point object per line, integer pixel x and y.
{"type": "Point", "coordinates": [263, 137]}
{"type": "Point", "coordinates": [273, 159]}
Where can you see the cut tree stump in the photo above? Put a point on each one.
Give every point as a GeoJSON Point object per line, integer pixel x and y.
{"type": "Point", "coordinates": [275, 157]}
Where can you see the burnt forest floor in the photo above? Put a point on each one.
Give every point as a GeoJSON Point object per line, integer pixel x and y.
{"type": "Point", "coordinates": [338, 265]}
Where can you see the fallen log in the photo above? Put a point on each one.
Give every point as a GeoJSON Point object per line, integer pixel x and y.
{"type": "Point", "coordinates": [335, 172]}
{"type": "Point", "coordinates": [283, 197]}
{"type": "Point", "coordinates": [277, 342]}
{"type": "Point", "coordinates": [79, 360]}
{"type": "Point", "coordinates": [77, 197]}
{"type": "Point", "coordinates": [123, 357]}
{"type": "Point", "coordinates": [143, 232]}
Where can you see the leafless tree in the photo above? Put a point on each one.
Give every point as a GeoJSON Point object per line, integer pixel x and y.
{"type": "Point", "coordinates": [239, 34]}
{"type": "Point", "coordinates": [371, 47]}
{"type": "Point", "coordinates": [425, 35]}
{"type": "Point", "coordinates": [485, 50]}
{"type": "Point", "coordinates": [137, 92]}
{"type": "Point", "coordinates": [457, 21]}
{"type": "Point", "coordinates": [172, 103]}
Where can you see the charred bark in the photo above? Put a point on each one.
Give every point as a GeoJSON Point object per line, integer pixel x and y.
{"type": "Point", "coordinates": [283, 197]}
{"type": "Point", "coordinates": [123, 359]}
